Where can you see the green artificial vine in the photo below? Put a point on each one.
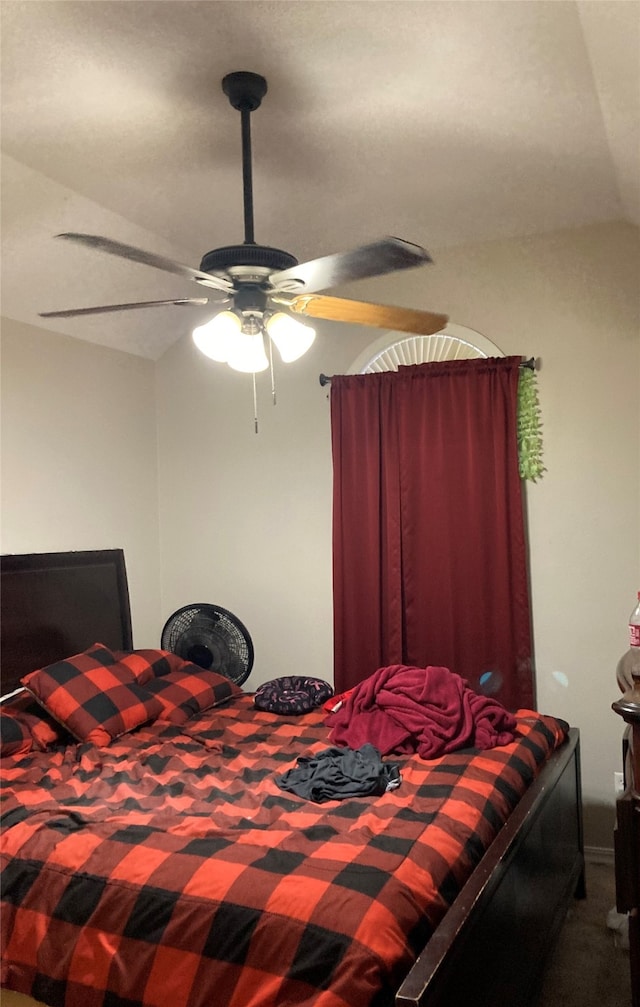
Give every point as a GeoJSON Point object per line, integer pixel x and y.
{"type": "Point", "coordinates": [529, 427]}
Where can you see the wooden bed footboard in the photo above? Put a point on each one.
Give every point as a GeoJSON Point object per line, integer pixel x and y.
{"type": "Point", "coordinates": [627, 835]}
{"type": "Point", "coordinates": [492, 945]}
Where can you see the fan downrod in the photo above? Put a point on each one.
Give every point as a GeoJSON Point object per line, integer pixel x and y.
{"type": "Point", "coordinates": [245, 90]}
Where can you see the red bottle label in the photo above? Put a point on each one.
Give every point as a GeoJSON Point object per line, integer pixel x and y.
{"type": "Point", "coordinates": [634, 635]}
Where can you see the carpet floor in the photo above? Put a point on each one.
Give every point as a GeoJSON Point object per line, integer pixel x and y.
{"type": "Point", "coordinates": [588, 967]}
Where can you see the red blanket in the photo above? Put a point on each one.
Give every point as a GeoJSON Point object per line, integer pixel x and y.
{"type": "Point", "coordinates": [430, 711]}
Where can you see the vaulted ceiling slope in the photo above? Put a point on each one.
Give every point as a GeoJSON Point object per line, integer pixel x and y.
{"type": "Point", "coordinates": [441, 122]}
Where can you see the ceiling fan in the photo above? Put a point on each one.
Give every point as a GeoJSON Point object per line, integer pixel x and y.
{"type": "Point", "coordinates": [260, 289]}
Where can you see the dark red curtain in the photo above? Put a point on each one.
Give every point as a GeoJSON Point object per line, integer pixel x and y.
{"type": "Point", "coordinates": [430, 558]}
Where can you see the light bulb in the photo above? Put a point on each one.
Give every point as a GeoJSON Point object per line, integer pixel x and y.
{"type": "Point", "coordinates": [216, 337]}
{"type": "Point", "coordinates": [290, 336]}
{"type": "Point", "coordinates": [247, 353]}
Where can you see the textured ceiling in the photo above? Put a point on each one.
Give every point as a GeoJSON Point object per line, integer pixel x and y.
{"type": "Point", "coordinates": [441, 122]}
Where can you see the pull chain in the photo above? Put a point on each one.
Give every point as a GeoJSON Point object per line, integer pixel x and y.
{"type": "Point", "coordinates": [255, 404]}
{"type": "Point", "coordinates": [272, 373]}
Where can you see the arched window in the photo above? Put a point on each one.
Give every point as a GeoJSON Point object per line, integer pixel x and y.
{"type": "Point", "coordinates": [393, 349]}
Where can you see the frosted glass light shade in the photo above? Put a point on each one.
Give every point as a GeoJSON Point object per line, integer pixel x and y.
{"type": "Point", "coordinates": [292, 338]}
{"type": "Point", "coordinates": [246, 353]}
{"type": "Point", "coordinates": [216, 337]}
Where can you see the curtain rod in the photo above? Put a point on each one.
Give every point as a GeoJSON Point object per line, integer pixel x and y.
{"type": "Point", "coordinates": [324, 379]}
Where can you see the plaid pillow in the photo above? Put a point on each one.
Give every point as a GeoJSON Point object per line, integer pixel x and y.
{"type": "Point", "coordinates": [43, 729]}
{"type": "Point", "coordinates": [15, 733]}
{"type": "Point", "coordinates": [183, 694]}
{"type": "Point", "coordinates": [93, 696]}
{"type": "Point", "coordinates": [146, 664]}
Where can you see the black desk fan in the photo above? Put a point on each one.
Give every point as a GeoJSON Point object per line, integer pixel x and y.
{"type": "Point", "coordinates": [211, 637]}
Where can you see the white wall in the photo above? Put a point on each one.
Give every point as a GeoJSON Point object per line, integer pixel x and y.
{"type": "Point", "coordinates": [246, 519]}
{"type": "Point", "coordinates": [79, 457]}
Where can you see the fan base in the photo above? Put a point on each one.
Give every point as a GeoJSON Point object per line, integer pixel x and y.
{"type": "Point", "coordinates": [219, 260]}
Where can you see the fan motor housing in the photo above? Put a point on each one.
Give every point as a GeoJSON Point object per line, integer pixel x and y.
{"type": "Point", "coordinates": [219, 260]}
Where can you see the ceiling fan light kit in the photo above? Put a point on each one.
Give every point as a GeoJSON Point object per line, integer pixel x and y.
{"type": "Point", "coordinates": [246, 353]}
{"type": "Point", "coordinates": [225, 339]}
{"type": "Point", "coordinates": [260, 288]}
{"type": "Point", "coordinates": [214, 338]}
{"type": "Point", "coordinates": [292, 338]}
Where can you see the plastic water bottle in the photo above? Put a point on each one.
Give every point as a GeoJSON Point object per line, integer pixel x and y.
{"type": "Point", "coordinates": [629, 664]}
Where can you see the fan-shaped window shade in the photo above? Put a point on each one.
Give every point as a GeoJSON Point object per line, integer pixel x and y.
{"type": "Point", "coordinates": [395, 350]}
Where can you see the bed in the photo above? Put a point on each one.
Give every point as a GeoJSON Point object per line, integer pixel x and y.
{"type": "Point", "coordinates": [168, 866]}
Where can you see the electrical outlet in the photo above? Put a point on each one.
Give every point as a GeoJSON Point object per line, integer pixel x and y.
{"type": "Point", "coordinates": [618, 783]}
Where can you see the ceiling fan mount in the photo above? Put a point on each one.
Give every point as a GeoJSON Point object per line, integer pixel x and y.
{"type": "Point", "coordinates": [256, 283]}
{"type": "Point", "coordinates": [245, 90]}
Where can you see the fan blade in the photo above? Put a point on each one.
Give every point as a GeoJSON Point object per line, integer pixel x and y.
{"type": "Point", "coordinates": [381, 316]}
{"type": "Point", "coordinates": [385, 256]}
{"type": "Point", "coordinates": [147, 259]}
{"type": "Point", "coordinates": [104, 308]}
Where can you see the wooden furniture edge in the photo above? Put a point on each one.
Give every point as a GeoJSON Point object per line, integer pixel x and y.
{"type": "Point", "coordinates": [627, 834]}
{"type": "Point", "coordinates": [484, 916]}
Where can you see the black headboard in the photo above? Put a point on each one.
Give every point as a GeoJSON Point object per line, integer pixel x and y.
{"type": "Point", "coordinates": [56, 604]}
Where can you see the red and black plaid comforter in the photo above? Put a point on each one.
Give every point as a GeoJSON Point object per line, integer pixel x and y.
{"type": "Point", "coordinates": [170, 869]}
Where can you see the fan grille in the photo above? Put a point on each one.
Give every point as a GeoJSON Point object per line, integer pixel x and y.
{"type": "Point", "coordinates": [211, 637]}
